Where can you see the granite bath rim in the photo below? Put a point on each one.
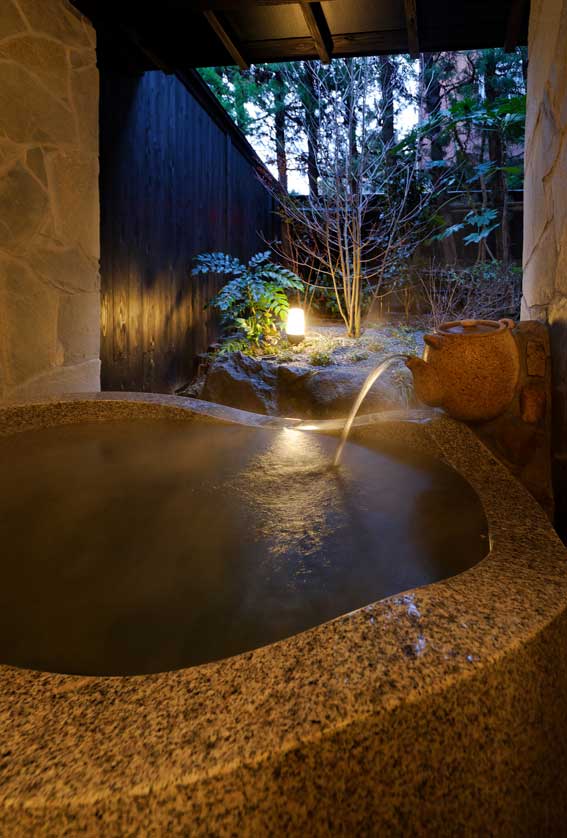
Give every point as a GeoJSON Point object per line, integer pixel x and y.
{"type": "Point", "coordinates": [167, 745]}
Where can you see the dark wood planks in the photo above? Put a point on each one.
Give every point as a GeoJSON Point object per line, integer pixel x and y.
{"type": "Point", "coordinates": [176, 34]}
{"type": "Point", "coordinates": [410, 11]}
{"type": "Point", "coordinates": [173, 184]}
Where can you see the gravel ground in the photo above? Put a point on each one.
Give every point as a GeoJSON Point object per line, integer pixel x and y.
{"type": "Point", "coordinates": [327, 344]}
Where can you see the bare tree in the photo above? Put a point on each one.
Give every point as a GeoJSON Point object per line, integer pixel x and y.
{"type": "Point", "coordinates": [486, 291]}
{"type": "Point", "coordinates": [368, 212]}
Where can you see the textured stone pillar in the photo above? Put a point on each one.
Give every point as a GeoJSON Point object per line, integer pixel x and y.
{"type": "Point", "coordinates": [49, 205]}
{"type": "Point", "coordinates": [545, 219]}
{"type": "Point", "coordinates": [520, 438]}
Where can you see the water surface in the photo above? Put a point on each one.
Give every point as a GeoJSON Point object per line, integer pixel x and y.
{"type": "Point", "coordinates": [136, 547]}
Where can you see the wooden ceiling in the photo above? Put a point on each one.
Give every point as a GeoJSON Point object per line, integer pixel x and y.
{"type": "Point", "coordinates": [177, 35]}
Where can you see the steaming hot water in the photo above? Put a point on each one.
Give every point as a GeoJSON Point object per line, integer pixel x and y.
{"type": "Point", "coordinates": [141, 546]}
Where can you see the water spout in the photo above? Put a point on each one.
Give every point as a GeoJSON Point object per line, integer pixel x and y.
{"type": "Point", "coordinates": [374, 376]}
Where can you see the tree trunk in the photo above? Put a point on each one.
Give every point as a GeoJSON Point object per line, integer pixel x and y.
{"type": "Point", "coordinates": [386, 75]}
{"type": "Point", "coordinates": [497, 155]}
{"type": "Point", "coordinates": [351, 123]}
{"type": "Point", "coordinates": [311, 128]}
{"type": "Point", "coordinates": [430, 100]}
{"type": "Point", "coordinates": [279, 119]}
{"type": "Point", "coordinates": [525, 65]}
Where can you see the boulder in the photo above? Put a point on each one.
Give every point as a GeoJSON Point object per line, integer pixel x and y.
{"type": "Point", "coordinates": [329, 392]}
{"type": "Point", "coordinates": [293, 390]}
{"type": "Point", "coordinates": [237, 380]}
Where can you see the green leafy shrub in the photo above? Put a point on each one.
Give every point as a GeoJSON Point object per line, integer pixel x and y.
{"type": "Point", "coordinates": [320, 359]}
{"type": "Point", "coordinates": [254, 300]}
{"type": "Point", "coordinates": [359, 356]}
{"type": "Point", "coordinates": [237, 345]}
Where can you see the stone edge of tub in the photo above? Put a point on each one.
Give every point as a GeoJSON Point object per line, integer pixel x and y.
{"type": "Point", "coordinates": [81, 745]}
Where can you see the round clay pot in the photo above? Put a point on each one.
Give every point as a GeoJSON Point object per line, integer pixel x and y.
{"type": "Point", "coordinates": [470, 368]}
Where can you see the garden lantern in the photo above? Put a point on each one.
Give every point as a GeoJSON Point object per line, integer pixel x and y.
{"type": "Point", "coordinates": [295, 326]}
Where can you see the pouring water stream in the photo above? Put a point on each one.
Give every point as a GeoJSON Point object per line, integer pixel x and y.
{"type": "Point", "coordinates": [371, 378]}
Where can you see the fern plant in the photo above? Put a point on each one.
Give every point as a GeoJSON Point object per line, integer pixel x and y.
{"type": "Point", "coordinates": [255, 299]}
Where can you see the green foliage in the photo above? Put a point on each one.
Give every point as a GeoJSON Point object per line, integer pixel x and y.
{"type": "Point", "coordinates": [234, 89]}
{"type": "Point", "coordinates": [475, 131]}
{"type": "Point", "coordinates": [467, 151]}
{"type": "Point", "coordinates": [237, 345]}
{"type": "Point", "coordinates": [320, 359]}
{"type": "Point", "coordinates": [252, 97]}
{"type": "Point", "coordinates": [505, 116]}
{"type": "Point", "coordinates": [356, 357]}
{"type": "Point", "coordinates": [255, 299]}
{"type": "Point", "coordinates": [483, 223]}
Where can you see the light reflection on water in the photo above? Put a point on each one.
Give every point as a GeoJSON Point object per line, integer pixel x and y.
{"type": "Point", "coordinates": [141, 546]}
{"type": "Point", "coordinates": [294, 487]}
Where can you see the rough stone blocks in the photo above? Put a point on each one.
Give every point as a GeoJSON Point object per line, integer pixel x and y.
{"type": "Point", "coordinates": [533, 401]}
{"type": "Point", "coordinates": [521, 437]}
{"type": "Point", "coordinates": [545, 219]}
{"type": "Point", "coordinates": [49, 208]}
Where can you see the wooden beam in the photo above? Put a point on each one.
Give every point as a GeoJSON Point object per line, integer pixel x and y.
{"type": "Point", "coordinates": [410, 11]}
{"type": "Point", "coordinates": [319, 29]}
{"type": "Point", "coordinates": [148, 51]}
{"type": "Point", "coordinates": [229, 5]}
{"type": "Point", "coordinates": [516, 20]}
{"type": "Point", "coordinates": [382, 42]}
{"type": "Point", "coordinates": [296, 49]}
{"type": "Point", "coordinates": [225, 35]}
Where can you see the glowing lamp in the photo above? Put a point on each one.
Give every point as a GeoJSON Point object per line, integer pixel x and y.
{"type": "Point", "coordinates": [295, 326]}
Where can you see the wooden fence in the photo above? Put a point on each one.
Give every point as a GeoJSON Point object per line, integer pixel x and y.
{"type": "Point", "coordinates": [176, 179]}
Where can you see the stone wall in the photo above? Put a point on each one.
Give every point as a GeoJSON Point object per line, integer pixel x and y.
{"type": "Point", "coordinates": [520, 437]}
{"type": "Point", "coordinates": [545, 221]}
{"type": "Point", "coordinates": [49, 207]}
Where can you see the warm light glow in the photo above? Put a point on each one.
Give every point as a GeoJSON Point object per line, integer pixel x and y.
{"type": "Point", "coordinates": [295, 322]}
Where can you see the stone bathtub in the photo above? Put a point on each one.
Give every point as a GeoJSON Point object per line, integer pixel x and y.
{"type": "Point", "coordinates": [439, 711]}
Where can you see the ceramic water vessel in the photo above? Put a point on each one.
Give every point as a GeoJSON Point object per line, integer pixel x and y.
{"type": "Point", "coordinates": [470, 368]}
